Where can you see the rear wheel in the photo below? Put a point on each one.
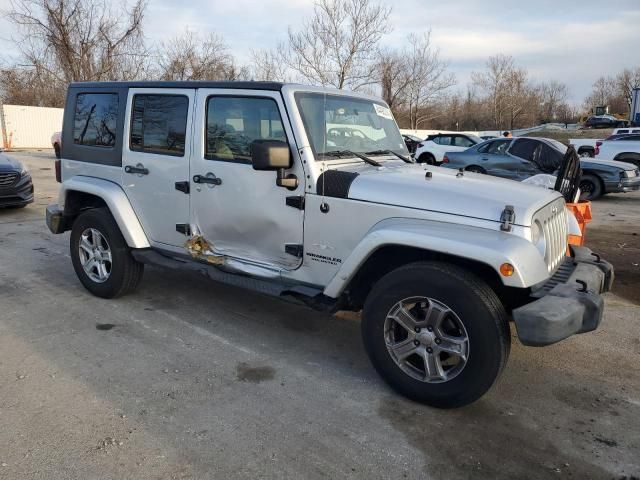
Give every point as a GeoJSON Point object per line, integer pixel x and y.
{"type": "Point", "coordinates": [586, 152]}
{"type": "Point", "coordinates": [476, 169]}
{"type": "Point", "coordinates": [101, 257]}
{"type": "Point", "coordinates": [590, 187]}
{"type": "Point", "coordinates": [427, 158]}
{"type": "Point", "coordinates": [436, 333]}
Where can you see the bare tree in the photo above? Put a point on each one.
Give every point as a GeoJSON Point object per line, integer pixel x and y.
{"type": "Point", "coordinates": [428, 78]}
{"type": "Point", "coordinates": [80, 39]}
{"type": "Point", "coordinates": [268, 65]}
{"type": "Point", "coordinates": [553, 96]}
{"type": "Point", "coordinates": [338, 45]}
{"type": "Point", "coordinates": [606, 92]}
{"type": "Point", "coordinates": [394, 78]}
{"type": "Point", "coordinates": [626, 81]}
{"type": "Point", "coordinates": [191, 57]}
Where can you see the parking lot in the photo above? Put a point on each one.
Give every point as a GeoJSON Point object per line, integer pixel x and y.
{"type": "Point", "coordinates": [187, 378]}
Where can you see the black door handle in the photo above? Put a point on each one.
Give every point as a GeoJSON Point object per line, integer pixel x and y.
{"type": "Point", "coordinates": [138, 169]}
{"type": "Point", "coordinates": [210, 179]}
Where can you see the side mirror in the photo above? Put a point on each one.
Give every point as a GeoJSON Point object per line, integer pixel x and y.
{"type": "Point", "coordinates": [270, 155]}
{"type": "Point", "coordinates": [274, 155]}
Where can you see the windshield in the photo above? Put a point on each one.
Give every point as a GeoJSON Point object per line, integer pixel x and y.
{"type": "Point", "coordinates": [336, 123]}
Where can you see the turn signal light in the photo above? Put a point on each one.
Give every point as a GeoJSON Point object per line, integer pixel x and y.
{"type": "Point", "coordinates": [506, 269]}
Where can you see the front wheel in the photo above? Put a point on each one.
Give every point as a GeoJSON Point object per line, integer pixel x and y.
{"type": "Point", "coordinates": [590, 187]}
{"type": "Point", "coordinates": [436, 333]}
{"type": "Point", "coordinates": [101, 257]}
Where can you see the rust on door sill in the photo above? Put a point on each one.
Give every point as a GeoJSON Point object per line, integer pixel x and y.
{"type": "Point", "coordinates": [200, 249]}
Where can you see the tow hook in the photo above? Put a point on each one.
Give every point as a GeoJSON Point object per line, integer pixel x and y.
{"type": "Point", "coordinates": [583, 285]}
{"type": "Point", "coordinates": [597, 257]}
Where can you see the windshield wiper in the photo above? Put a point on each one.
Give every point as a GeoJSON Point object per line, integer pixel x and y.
{"type": "Point", "coordinates": [391, 152]}
{"type": "Point", "coordinates": [349, 153]}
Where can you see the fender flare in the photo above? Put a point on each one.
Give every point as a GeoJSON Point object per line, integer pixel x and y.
{"type": "Point", "coordinates": [116, 201]}
{"type": "Point", "coordinates": [490, 247]}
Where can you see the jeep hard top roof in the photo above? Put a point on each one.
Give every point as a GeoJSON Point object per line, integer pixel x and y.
{"type": "Point", "coordinates": [275, 86]}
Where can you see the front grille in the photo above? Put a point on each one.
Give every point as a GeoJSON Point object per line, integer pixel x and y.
{"type": "Point", "coordinates": [553, 219]}
{"type": "Point", "coordinates": [7, 179]}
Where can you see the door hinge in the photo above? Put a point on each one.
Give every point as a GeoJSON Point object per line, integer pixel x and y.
{"type": "Point", "coordinates": [183, 228]}
{"type": "Point", "coordinates": [294, 249]}
{"type": "Point", "coordinates": [296, 201]}
{"type": "Point", "coordinates": [183, 187]}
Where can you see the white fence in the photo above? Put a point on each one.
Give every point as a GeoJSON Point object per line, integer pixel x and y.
{"type": "Point", "coordinates": [28, 127]}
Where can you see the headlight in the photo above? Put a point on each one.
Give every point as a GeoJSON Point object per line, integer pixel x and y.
{"type": "Point", "coordinates": [24, 171]}
{"type": "Point", "coordinates": [628, 174]}
{"type": "Point", "coordinates": [537, 237]}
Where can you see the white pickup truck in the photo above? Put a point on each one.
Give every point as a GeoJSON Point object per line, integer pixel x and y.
{"type": "Point", "coordinates": [623, 149]}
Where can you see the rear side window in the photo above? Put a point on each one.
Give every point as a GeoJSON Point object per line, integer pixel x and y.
{"type": "Point", "coordinates": [633, 138]}
{"type": "Point", "coordinates": [460, 141]}
{"type": "Point", "coordinates": [95, 119]}
{"type": "Point", "coordinates": [234, 122]}
{"type": "Point", "coordinates": [159, 124]}
{"type": "Point", "coordinates": [524, 148]}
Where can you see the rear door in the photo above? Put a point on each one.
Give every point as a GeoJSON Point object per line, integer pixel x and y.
{"type": "Point", "coordinates": [522, 153]}
{"type": "Point", "coordinates": [156, 157]}
{"type": "Point", "coordinates": [494, 159]}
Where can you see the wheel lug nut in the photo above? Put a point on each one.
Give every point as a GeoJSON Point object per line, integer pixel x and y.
{"type": "Point", "coordinates": [438, 341]}
{"type": "Point", "coordinates": [430, 328]}
{"type": "Point", "coordinates": [429, 350]}
{"type": "Point", "coordinates": [416, 343]}
{"type": "Point", "coordinates": [417, 329]}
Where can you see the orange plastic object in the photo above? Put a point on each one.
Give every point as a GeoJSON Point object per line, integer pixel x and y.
{"type": "Point", "coordinates": [582, 211]}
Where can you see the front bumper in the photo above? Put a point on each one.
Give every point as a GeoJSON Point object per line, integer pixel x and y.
{"type": "Point", "coordinates": [568, 303]}
{"type": "Point", "coordinates": [624, 185]}
{"type": "Point", "coordinates": [18, 194]}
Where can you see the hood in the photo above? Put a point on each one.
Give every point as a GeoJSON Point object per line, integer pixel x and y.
{"type": "Point", "coordinates": [596, 162]}
{"type": "Point", "coordinates": [8, 164]}
{"type": "Point", "coordinates": [470, 195]}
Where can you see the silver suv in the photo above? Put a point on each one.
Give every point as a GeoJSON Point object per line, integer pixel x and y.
{"type": "Point", "coordinates": [308, 194]}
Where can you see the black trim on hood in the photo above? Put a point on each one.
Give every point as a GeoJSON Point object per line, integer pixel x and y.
{"type": "Point", "coordinates": [335, 183]}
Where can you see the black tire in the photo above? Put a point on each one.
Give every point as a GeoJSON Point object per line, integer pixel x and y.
{"type": "Point", "coordinates": [125, 272]}
{"type": "Point", "coordinates": [475, 169]}
{"type": "Point", "coordinates": [427, 158]}
{"type": "Point", "coordinates": [587, 152]}
{"type": "Point", "coordinates": [590, 187]}
{"type": "Point", "coordinates": [476, 306]}
{"type": "Point", "coordinates": [56, 149]}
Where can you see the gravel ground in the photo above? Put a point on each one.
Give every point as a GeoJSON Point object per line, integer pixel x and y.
{"type": "Point", "coordinates": [189, 379]}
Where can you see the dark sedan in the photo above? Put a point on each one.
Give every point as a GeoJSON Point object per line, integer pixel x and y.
{"type": "Point", "coordinates": [16, 187]}
{"type": "Point", "coordinates": [523, 157]}
{"type": "Point", "coordinates": [604, 121]}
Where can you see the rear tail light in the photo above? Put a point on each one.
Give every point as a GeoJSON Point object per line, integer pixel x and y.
{"type": "Point", "coordinates": [445, 159]}
{"type": "Point", "coordinates": [597, 150]}
{"type": "Point", "coordinates": [58, 171]}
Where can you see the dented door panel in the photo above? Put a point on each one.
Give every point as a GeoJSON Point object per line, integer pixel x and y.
{"type": "Point", "coordinates": [242, 215]}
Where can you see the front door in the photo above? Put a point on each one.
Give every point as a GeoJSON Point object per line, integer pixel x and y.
{"type": "Point", "coordinates": [241, 212]}
{"type": "Point", "coordinates": [156, 156]}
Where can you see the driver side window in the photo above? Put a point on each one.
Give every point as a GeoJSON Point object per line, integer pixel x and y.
{"type": "Point", "coordinates": [234, 122]}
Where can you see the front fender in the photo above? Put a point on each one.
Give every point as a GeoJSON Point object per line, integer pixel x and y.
{"type": "Point", "coordinates": [116, 200]}
{"type": "Point", "coordinates": [492, 248]}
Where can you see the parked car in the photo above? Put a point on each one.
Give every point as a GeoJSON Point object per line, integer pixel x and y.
{"type": "Point", "coordinates": [437, 263]}
{"type": "Point", "coordinates": [16, 186]}
{"type": "Point", "coordinates": [432, 149]}
{"type": "Point", "coordinates": [56, 143]}
{"type": "Point", "coordinates": [488, 137]}
{"type": "Point", "coordinates": [524, 157]}
{"type": "Point", "coordinates": [623, 149]}
{"type": "Point", "coordinates": [627, 130]}
{"type": "Point", "coordinates": [604, 121]}
{"type": "Point", "coordinates": [411, 141]}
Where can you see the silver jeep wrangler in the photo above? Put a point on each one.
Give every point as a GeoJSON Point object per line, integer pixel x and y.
{"type": "Point", "coordinates": [308, 194]}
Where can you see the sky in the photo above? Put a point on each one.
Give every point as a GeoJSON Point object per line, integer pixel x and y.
{"type": "Point", "coordinates": [572, 41]}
